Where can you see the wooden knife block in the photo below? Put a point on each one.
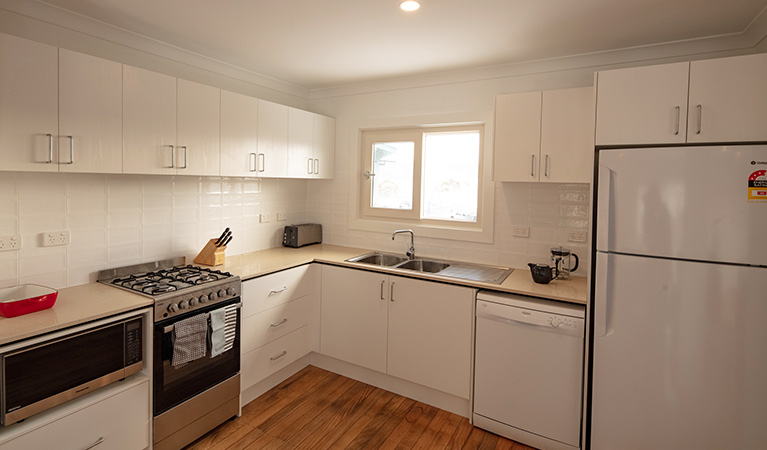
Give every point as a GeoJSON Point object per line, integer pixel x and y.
{"type": "Point", "coordinates": [210, 255]}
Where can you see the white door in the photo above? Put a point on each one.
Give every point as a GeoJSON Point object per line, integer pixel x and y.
{"type": "Point", "coordinates": [728, 99]}
{"type": "Point", "coordinates": [324, 146]}
{"type": "Point", "coordinates": [642, 105]}
{"type": "Point", "coordinates": [199, 118]}
{"type": "Point", "coordinates": [300, 142]}
{"type": "Point", "coordinates": [272, 140]}
{"type": "Point", "coordinates": [686, 202]}
{"type": "Point", "coordinates": [90, 114]}
{"type": "Point", "coordinates": [239, 134]}
{"type": "Point", "coordinates": [679, 355]}
{"type": "Point", "coordinates": [517, 146]}
{"type": "Point", "coordinates": [28, 105]}
{"type": "Point", "coordinates": [567, 136]}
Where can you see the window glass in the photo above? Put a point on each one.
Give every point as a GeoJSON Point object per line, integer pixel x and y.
{"type": "Point", "coordinates": [450, 176]}
{"type": "Point", "coordinates": [392, 185]}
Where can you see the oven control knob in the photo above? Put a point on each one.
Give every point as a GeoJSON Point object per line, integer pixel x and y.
{"type": "Point", "coordinates": [212, 295]}
{"type": "Point", "coordinates": [230, 291]}
{"type": "Point", "coordinates": [193, 301]}
{"type": "Point", "coordinates": [203, 298]}
{"type": "Point", "coordinates": [184, 304]}
{"type": "Point", "coordinates": [172, 308]}
{"type": "Point", "coordinates": [222, 293]}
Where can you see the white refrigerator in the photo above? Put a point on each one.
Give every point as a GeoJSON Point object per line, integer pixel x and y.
{"type": "Point", "coordinates": [679, 322]}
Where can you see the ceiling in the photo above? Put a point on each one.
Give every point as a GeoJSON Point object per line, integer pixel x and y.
{"type": "Point", "coordinates": [326, 43]}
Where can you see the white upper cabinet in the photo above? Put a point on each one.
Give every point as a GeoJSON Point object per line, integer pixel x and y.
{"type": "Point", "coordinates": [718, 100]}
{"type": "Point", "coordinates": [90, 114]}
{"type": "Point", "coordinates": [324, 147]}
{"type": "Point", "coordinates": [300, 143]}
{"type": "Point", "coordinates": [239, 134]}
{"type": "Point", "coordinates": [149, 122]}
{"type": "Point", "coordinates": [728, 99]}
{"type": "Point", "coordinates": [198, 128]}
{"type": "Point", "coordinates": [272, 160]}
{"type": "Point", "coordinates": [544, 136]}
{"type": "Point", "coordinates": [28, 105]}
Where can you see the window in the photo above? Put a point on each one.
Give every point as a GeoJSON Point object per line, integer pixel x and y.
{"type": "Point", "coordinates": [429, 175]}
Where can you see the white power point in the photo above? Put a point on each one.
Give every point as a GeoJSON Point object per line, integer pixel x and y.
{"type": "Point", "coordinates": [265, 218]}
{"type": "Point", "coordinates": [521, 231]}
{"type": "Point", "coordinates": [282, 216]}
{"type": "Point", "coordinates": [8, 243]}
{"type": "Point", "coordinates": [578, 236]}
{"type": "Point", "coordinates": [52, 238]}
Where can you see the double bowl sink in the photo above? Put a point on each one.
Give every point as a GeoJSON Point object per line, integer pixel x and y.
{"type": "Point", "coordinates": [450, 269]}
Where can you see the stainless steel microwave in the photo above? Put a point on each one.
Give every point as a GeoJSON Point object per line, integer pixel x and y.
{"type": "Point", "coordinates": [48, 373]}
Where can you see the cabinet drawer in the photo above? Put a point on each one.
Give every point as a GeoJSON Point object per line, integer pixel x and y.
{"type": "Point", "coordinates": [267, 359]}
{"type": "Point", "coordinates": [266, 326]}
{"type": "Point", "coordinates": [122, 421]}
{"type": "Point", "coordinates": [266, 292]}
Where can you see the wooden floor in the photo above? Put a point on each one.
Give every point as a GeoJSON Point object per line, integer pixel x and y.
{"type": "Point", "coordinates": [317, 409]}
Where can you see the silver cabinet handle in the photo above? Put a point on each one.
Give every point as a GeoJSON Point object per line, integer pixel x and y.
{"type": "Point", "coordinates": [391, 292]}
{"type": "Point", "coordinates": [50, 148]}
{"type": "Point", "coordinates": [546, 166]}
{"type": "Point", "coordinates": [98, 441]}
{"type": "Point", "coordinates": [277, 324]}
{"type": "Point", "coordinates": [678, 114]}
{"type": "Point", "coordinates": [276, 357]}
{"type": "Point", "coordinates": [316, 166]}
{"type": "Point", "coordinates": [172, 157]}
{"type": "Point", "coordinates": [185, 156]}
{"type": "Point", "coordinates": [532, 165]}
{"type": "Point", "coordinates": [71, 150]}
{"type": "Point", "coordinates": [252, 162]}
{"type": "Point", "coordinates": [382, 289]}
{"type": "Point", "coordinates": [309, 166]}
{"type": "Point", "coordinates": [277, 291]}
{"type": "Point", "coordinates": [700, 118]}
{"type": "Point", "coordinates": [260, 162]}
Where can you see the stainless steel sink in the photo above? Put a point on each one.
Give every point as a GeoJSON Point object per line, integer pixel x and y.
{"type": "Point", "coordinates": [423, 265]}
{"type": "Point", "coordinates": [379, 259]}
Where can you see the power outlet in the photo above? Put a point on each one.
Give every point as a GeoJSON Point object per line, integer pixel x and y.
{"type": "Point", "coordinates": [52, 238]}
{"type": "Point", "coordinates": [282, 216]}
{"type": "Point", "coordinates": [521, 231]}
{"type": "Point", "coordinates": [8, 243]}
{"type": "Point", "coordinates": [578, 236]}
{"type": "Point", "coordinates": [265, 218]}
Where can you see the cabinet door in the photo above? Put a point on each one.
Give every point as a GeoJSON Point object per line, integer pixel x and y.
{"type": "Point", "coordinates": [567, 135]}
{"type": "Point", "coordinates": [272, 140]}
{"type": "Point", "coordinates": [517, 137]}
{"type": "Point", "coordinates": [149, 122]}
{"type": "Point", "coordinates": [324, 146]}
{"type": "Point", "coordinates": [239, 134]}
{"type": "Point", "coordinates": [90, 111]}
{"type": "Point", "coordinates": [28, 105]}
{"type": "Point", "coordinates": [300, 142]}
{"type": "Point", "coordinates": [728, 99]}
{"type": "Point", "coordinates": [199, 118]}
{"type": "Point", "coordinates": [430, 334]}
{"type": "Point", "coordinates": [353, 316]}
{"type": "Point", "coordinates": [642, 105]}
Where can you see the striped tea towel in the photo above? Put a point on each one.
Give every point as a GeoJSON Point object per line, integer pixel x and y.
{"type": "Point", "coordinates": [223, 326]}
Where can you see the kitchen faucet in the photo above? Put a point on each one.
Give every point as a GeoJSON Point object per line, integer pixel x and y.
{"type": "Point", "coordinates": [411, 252]}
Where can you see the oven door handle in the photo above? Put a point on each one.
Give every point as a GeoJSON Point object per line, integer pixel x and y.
{"type": "Point", "coordinates": [170, 328]}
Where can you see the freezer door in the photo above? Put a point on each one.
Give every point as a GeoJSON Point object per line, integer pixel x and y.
{"type": "Point", "coordinates": [679, 355]}
{"type": "Point", "coordinates": [700, 203]}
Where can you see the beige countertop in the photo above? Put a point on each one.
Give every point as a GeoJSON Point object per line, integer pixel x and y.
{"type": "Point", "coordinates": [74, 305]}
{"type": "Point", "coordinates": [260, 263]}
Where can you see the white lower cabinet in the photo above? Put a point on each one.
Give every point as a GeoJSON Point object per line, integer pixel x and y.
{"type": "Point", "coordinates": [118, 422]}
{"type": "Point", "coordinates": [267, 359]}
{"type": "Point", "coordinates": [416, 330]}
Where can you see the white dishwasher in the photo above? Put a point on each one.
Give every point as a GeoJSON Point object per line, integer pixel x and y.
{"type": "Point", "coordinates": [528, 369]}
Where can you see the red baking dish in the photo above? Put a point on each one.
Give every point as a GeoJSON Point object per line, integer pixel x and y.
{"type": "Point", "coordinates": [25, 299]}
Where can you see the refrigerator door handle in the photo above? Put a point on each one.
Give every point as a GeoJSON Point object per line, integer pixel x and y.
{"type": "Point", "coordinates": [601, 298]}
{"type": "Point", "coordinates": [604, 207]}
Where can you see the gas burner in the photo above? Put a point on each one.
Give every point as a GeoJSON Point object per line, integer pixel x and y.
{"type": "Point", "coordinates": [168, 279]}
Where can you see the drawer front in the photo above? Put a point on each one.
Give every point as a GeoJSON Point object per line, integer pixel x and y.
{"type": "Point", "coordinates": [122, 421]}
{"type": "Point", "coordinates": [267, 359]}
{"type": "Point", "coordinates": [266, 326]}
{"type": "Point", "coordinates": [260, 294]}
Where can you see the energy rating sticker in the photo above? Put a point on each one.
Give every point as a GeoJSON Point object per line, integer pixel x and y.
{"type": "Point", "coordinates": [757, 186]}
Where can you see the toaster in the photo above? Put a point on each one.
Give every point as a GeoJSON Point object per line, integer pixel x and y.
{"type": "Point", "coordinates": [302, 234]}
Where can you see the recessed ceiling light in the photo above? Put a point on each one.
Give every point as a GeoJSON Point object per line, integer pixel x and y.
{"type": "Point", "coordinates": [409, 5]}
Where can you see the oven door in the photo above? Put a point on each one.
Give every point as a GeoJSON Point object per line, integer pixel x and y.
{"type": "Point", "coordinates": [174, 385]}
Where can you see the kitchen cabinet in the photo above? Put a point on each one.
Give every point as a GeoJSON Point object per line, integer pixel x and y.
{"type": "Point", "coordinates": [198, 129]}
{"type": "Point", "coordinates": [300, 143]}
{"type": "Point", "coordinates": [239, 134]}
{"type": "Point", "coordinates": [544, 136]}
{"type": "Point", "coordinates": [28, 105]}
{"type": "Point", "coordinates": [90, 114]}
{"type": "Point", "coordinates": [272, 158]}
{"type": "Point", "coordinates": [717, 100]}
{"type": "Point", "coordinates": [324, 148]}
{"type": "Point", "coordinates": [416, 330]}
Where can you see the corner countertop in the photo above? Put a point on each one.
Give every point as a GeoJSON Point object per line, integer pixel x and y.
{"type": "Point", "coordinates": [74, 306]}
{"type": "Point", "coordinates": [251, 265]}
